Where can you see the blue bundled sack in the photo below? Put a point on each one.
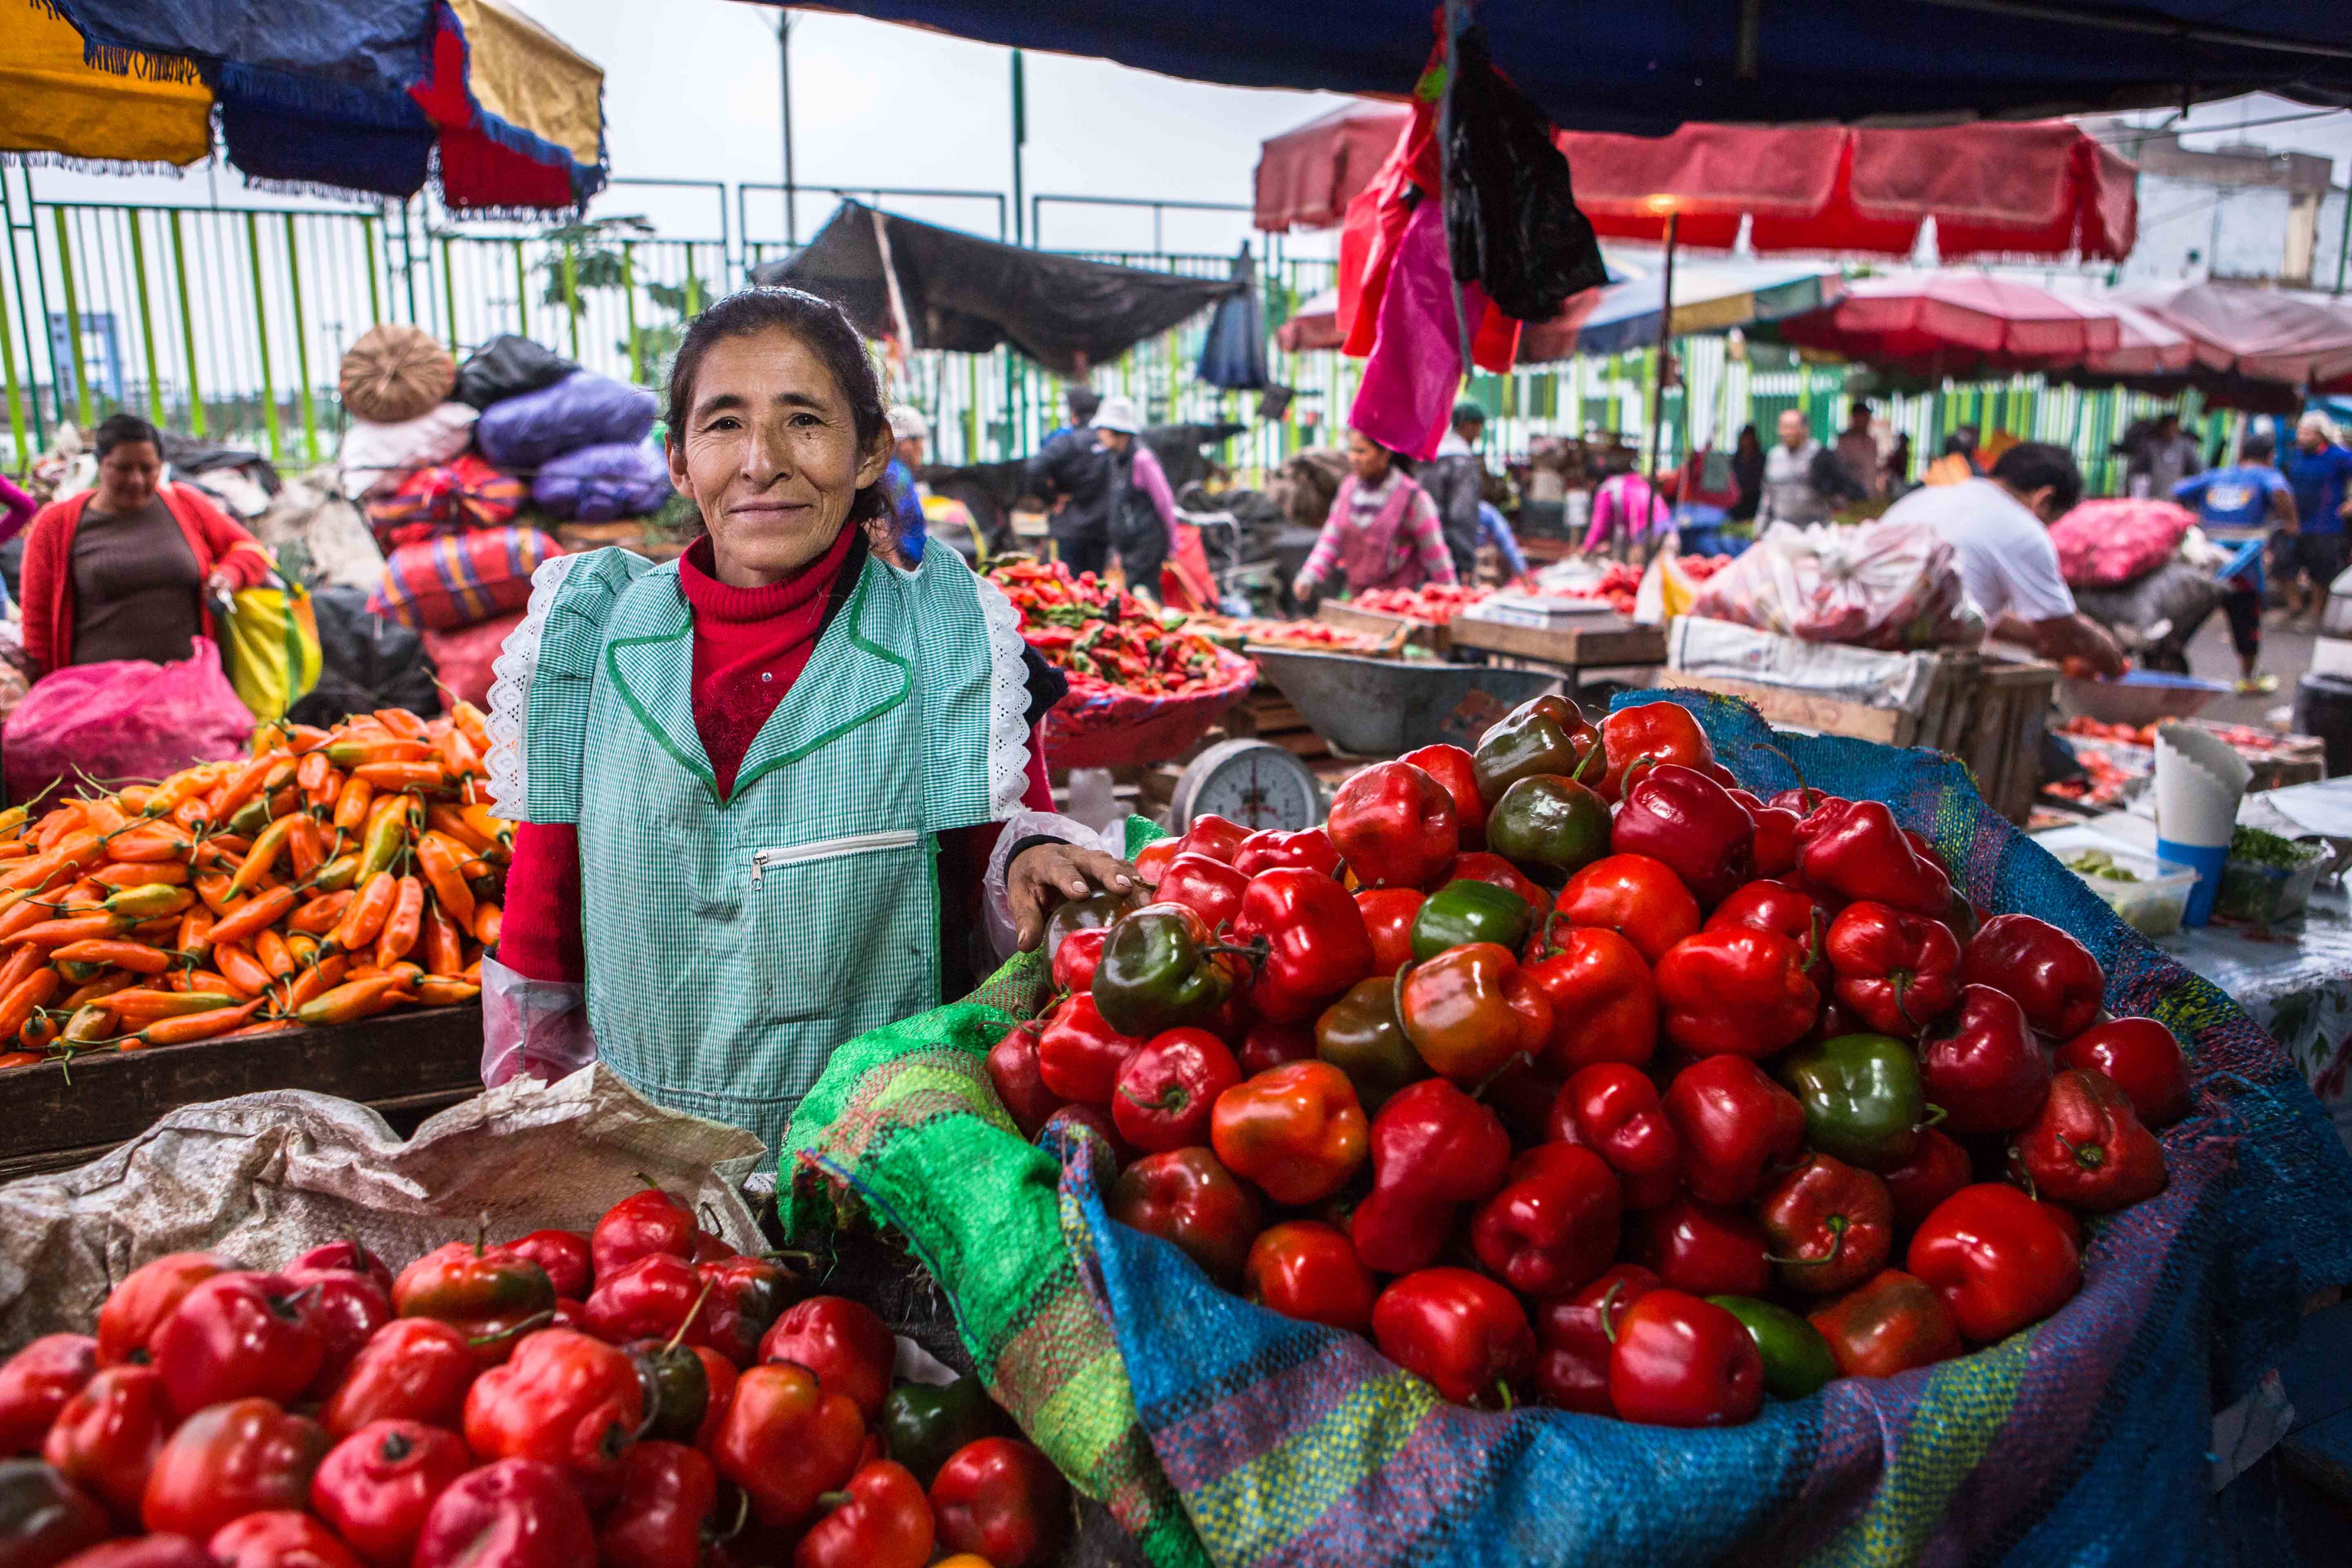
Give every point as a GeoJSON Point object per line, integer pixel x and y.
{"type": "Point", "coordinates": [599, 483]}
{"type": "Point", "coordinates": [583, 409]}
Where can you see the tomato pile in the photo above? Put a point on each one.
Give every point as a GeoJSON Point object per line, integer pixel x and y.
{"type": "Point", "coordinates": [1699, 568]}
{"type": "Point", "coordinates": [1099, 636]}
{"type": "Point", "coordinates": [638, 1397]}
{"type": "Point", "coordinates": [1312, 636]}
{"type": "Point", "coordinates": [1435, 602]}
{"type": "Point", "coordinates": [329, 876]}
{"type": "Point", "coordinates": [2241, 737]}
{"type": "Point", "coordinates": [1566, 1070]}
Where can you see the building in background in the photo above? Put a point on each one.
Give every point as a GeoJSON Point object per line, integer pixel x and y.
{"type": "Point", "coordinates": [2238, 213]}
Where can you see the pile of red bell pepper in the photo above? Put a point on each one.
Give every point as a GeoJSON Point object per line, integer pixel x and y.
{"type": "Point", "coordinates": [1435, 602]}
{"type": "Point", "coordinates": [634, 1396]}
{"type": "Point", "coordinates": [1097, 634]}
{"type": "Point", "coordinates": [1567, 1070]}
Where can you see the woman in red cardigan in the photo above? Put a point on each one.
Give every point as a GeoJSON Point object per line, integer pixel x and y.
{"type": "Point", "coordinates": [127, 570]}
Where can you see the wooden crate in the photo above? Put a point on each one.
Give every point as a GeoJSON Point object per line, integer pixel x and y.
{"type": "Point", "coordinates": [405, 1065]}
{"type": "Point", "coordinates": [1265, 714]}
{"type": "Point", "coordinates": [1417, 633]}
{"type": "Point", "coordinates": [1585, 643]}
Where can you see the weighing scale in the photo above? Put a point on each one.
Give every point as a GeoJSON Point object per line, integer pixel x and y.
{"type": "Point", "coordinates": [1254, 782]}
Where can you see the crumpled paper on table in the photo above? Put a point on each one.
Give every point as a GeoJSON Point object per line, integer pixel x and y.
{"type": "Point", "coordinates": [261, 1178]}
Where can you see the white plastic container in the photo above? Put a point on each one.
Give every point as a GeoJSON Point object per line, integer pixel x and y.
{"type": "Point", "coordinates": [2152, 903]}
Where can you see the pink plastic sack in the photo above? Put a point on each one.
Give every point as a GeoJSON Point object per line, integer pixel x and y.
{"type": "Point", "coordinates": [2112, 543]}
{"type": "Point", "coordinates": [462, 659]}
{"type": "Point", "coordinates": [1886, 585]}
{"type": "Point", "coordinates": [123, 720]}
{"type": "Point", "coordinates": [1416, 369]}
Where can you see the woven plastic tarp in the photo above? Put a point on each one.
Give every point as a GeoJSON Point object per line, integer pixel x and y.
{"type": "Point", "coordinates": [2082, 1439]}
{"type": "Point", "coordinates": [1103, 726]}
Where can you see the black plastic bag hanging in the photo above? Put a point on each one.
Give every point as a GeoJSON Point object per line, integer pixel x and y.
{"type": "Point", "coordinates": [1511, 221]}
{"type": "Point", "coordinates": [1232, 354]}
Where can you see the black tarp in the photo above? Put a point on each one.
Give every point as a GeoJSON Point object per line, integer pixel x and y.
{"type": "Point", "coordinates": [967, 294]}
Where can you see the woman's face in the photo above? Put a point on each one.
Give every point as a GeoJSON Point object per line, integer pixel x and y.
{"type": "Point", "coordinates": [770, 455]}
{"type": "Point", "coordinates": [1367, 456]}
{"type": "Point", "coordinates": [127, 477]}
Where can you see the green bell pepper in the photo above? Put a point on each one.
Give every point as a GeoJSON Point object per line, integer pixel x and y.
{"type": "Point", "coordinates": [1084, 914]}
{"type": "Point", "coordinates": [923, 1425]}
{"type": "Point", "coordinates": [1547, 824]}
{"type": "Point", "coordinates": [1160, 969]}
{"type": "Point", "coordinates": [1466, 912]}
{"type": "Point", "coordinates": [1360, 1036]}
{"type": "Point", "coordinates": [1862, 1097]}
{"type": "Point", "coordinates": [677, 1388]}
{"type": "Point", "coordinates": [1797, 1359]}
{"type": "Point", "coordinates": [1542, 735]}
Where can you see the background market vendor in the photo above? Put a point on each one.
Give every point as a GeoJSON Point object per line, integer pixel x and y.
{"type": "Point", "coordinates": [1382, 531]}
{"type": "Point", "coordinates": [769, 795]}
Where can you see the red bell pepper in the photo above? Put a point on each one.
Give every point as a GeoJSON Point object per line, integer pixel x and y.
{"type": "Point", "coordinates": [1736, 1125]}
{"type": "Point", "coordinates": [1453, 768]}
{"type": "Point", "coordinates": [1079, 1055]}
{"type": "Point", "coordinates": [1167, 1089]}
{"type": "Point", "coordinates": [348, 1257]}
{"type": "Point", "coordinates": [1983, 1064]}
{"type": "Point", "coordinates": [1555, 1223]}
{"type": "Point", "coordinates": [1936, 1168]}
{"type": "Point", "coordinates": [1308, 849]}
{"type": "Point", "coordinates": [647, 1299]}
{"type": "Point", "coordinates": [1004, 1502]}
{"type": "Point", "coordinates": [106, 1437]}
{"type": "Point", "coordinates": [1889, 1324]}
{"type": "Point", "coordinates": [1638, 897]}
{"type": "Point", "coordinates": [147, 1296]}
{"type": "Point", "coordinates": [142, 1552]}
{"type": "Point", "coordinates": [1830, 1225]}
{"type": "Point", "coordinates": [1898, 971]}
{"type": "Point", "coordinates": [1687, 822]}
{"type": "Point", "coordinates": [1395, 825]}
{"type": "Point", "coordinates": [227, 1460]}
{"type": "Point", "coordinates": [1614, 1110]}
{"type": "Point", "coordinates": [668, 1492]}
{"type": "Point", "coordinates": [1215, 836]}
{"type": "Point", "coordinates": [1999, 1260]}
{"type": "Point", "coordinates": [1605, 1000]}
{"type": "Point", "coordinates": [642, 1223]}
{"type": "Point", "coordinates": [1854, 849]}
{"type": "Point", "coordinates": [1016, 1070]}
{"type": "Point", "coordinates": [1387, 921]}
{"type": "Point", "coordinates": [240, 1336]}
{"type": "Point", "coordinates": [879, 1519]}
{"type": "Point", "coordinates": [1210, 889]}
{"type": "Point", "coordinates": [414, 1369]}
{"type": "Point", "coordinates": [36, 1382]}
{"type": "Point", "coordinates": [1460, 1332]}
{"type": "Point", "coordinates": [1783, 909]}
{"type": "Point", "coordinates": [1575, 1333]}
{"type": "Point", "coordinates": [1640, 738]}
{"type": "Point", "coordinates": [49, 1521]}
{"type": "Point", "coordinates": [2053, 977]}
{"type": "Point", "coordinates": [2087, 1150]}
{"type": "Point", "coordinates": [562, 1253]}
{"type": "Point", "coordinates": [488, 1292]}
{"type": "Point", "coordinates": [1705, 1250]}
{"type": "Point", "coordinates": [564, 1399]}
{"type": "Point", "coordinates": [376, 1486]}
{"type": "Point", "coordinates": [281, 1537]}
{"type": "Point", "coordinates": [787, 1442]}
{"type": "Point", "coordinates": [2144, 1061]}
{"type": "Point", "coordinates": [516, 1513]}
{"type": "Point", "coordinates": [1297, 1131]}
{"type": "Point", "coordinates": [747, 1296]}
{"type": "Point", "coordinates": [1740, 990]}
{"type": "Point", "coordinates": [1775, 834]}
{"type": "Point", "coordinates": [1077, 954]}
{"type": "Point", "coordinates": [842, 1344]}
{"type": "Point", "coordinates": [1804, 800]}
{"type": "Point", "coordinates": [1682, 1361]}
{"type": "Point", "coordinates": [1433, 1150]}
{"type": "Point", "coordinates": [1306, 1269]}
{"type": "Point", "coordinates": [1266, 1045]}
{"type": "Point", "coordinates": [1470, 1009]}
{"type": "Point", "coordinates": [1316, 942]}
{"type": "Point", "coordinates": [349, 1307]}
{"type": "Point", "coordinates": [1186, 1198]}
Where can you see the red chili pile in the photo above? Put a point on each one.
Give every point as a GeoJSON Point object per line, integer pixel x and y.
{"type": "Point", "coordinates": [1568, 1072]}
{"type": "Point", "coordinates": [1436, 602]}
{"type": "Point", "coordinates": [635, 1397]}
{"type": "Point", "coordinates": [1097, 634]}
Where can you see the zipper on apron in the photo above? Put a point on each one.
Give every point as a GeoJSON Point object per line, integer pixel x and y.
{"type": "Point", "coordinates": [833, 849]}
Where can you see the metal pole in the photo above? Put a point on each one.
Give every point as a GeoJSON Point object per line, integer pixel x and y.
{"type": "Point", "coordinates": [15, 405]}
{"type": "Point", "coordinates": [572, 295]}
{"type": "Point", "coordinates": [522, 293]}
{"type": "Point", "coordinates": [629, 294]}
{"type": "Point", "coordinates": [27, 297]}
{"type": "Point", "coordinates": [261, 333]}
{"type": "Point", "coordinates": [784, 65]}
{"type": "Point", "coordinates": [367, 256]}
{"type": "Point", "coordinates": [146, 320]}
{"type": "Point", "coordinates": [2344, 242]}
{"type": "Point", "coordinates": [1665, 340]}
{"type": "Point", "coordinates": [449, 287]}
{"type": "Point", "coordinates": [187, 328]}
{"type": "Point", "coordinates": [1020, 136]}
{"type": "Point", "coordinates": [301, 345]}
{"type": "Point", "coordinates": [73, 322]}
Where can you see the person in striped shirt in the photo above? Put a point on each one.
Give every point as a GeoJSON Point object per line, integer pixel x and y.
{"type": "Point", "coordinates": [1382, 531]}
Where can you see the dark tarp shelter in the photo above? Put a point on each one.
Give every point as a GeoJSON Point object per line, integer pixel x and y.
{"type": "Point", "coordinates": [1647, 69]}
{"type": "Point", "coordinates": [960, 292]}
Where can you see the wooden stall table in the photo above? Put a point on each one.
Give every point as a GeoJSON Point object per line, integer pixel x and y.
{"type": "Point", "coordinates": [404, 1065]}
{"type": "Point", "coordinates": [1574, 645]}
{"type": "Point", "coordinates": [1400, 631]}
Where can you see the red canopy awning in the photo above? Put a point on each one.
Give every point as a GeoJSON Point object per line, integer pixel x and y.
{"type": "Point", "coordinates": [1956, 323]}
{"type": "Point", "coordinates": [2038, 188]}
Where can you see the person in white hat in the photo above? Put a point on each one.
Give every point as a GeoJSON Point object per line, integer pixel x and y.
{"type": "Point", "coordinates": [910, 429]}
{"type": "Point", "coordinates": [1143, 525]}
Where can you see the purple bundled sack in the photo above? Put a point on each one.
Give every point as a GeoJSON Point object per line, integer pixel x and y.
{"type": "Point", "coordinates": [583, 409]}
{"type": "Point", "coordinates": [599, 483]}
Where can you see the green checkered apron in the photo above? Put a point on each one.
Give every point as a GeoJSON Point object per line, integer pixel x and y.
{"type": "Point", "coordinates": [731, 945]}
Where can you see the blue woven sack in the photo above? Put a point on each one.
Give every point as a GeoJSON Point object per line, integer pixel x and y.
{"type": "Point", "coordinates": [2080, 1439]}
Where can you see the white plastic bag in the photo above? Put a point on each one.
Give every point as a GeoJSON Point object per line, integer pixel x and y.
{"type": "Point", "coordinates": [376, 458]}
{"type": "Point", "coordinates": [537, 1028]}
{"type": "Point", "coordinates": [1888, 586]}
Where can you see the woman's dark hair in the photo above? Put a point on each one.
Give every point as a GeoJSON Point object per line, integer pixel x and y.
{"type": "Point", "coordinates": [1397, 460]}
{"type": "Point", "coordinates": [120, 430]}
{"type": "Point", "coordinates": [817, 322]}
{"type": "Point", "coordinates": [1083, 403]}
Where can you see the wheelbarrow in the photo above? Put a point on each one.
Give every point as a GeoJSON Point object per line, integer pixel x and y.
{"type": "Point", "coordinates": [1380, 707]}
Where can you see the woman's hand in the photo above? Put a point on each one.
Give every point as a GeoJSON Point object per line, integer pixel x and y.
{"type": "Point", "coordinates": [1044, 870]}
{"type": "Point", "coordinates": [1306, 590]}
{"type": "Point", "coordinates": [220, 585]}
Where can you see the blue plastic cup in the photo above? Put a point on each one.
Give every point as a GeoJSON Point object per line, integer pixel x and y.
{"type": "Point", "coordinates": [2208, 860]}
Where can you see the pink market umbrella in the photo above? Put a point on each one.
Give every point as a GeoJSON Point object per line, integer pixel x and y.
{"type": "Point", "coordinates": [1963, 320]}
{"type": "Point", "coordinates": [2149, 346]}
{"type": "Point", "coordinates": [2258, 334]}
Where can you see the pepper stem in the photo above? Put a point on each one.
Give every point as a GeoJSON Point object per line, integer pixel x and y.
{"type": "Point", "coordinates": [2089, 1156]}
{"type": "Point", "coordinates": [828, 1501]}
{"type": "Point", "coordinates": [539, 1320]}
{"type": "Point", "coordinates": [481, 1232]}
{"type": "Point", "coordinates": [1609, 1300]}
{"type": "Point", "coordinates": [1837, 1223]}
{"type": "Point", "coordinates": [688, 1321]}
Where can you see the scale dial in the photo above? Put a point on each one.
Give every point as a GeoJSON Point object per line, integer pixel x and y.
{"type": "Point", "coordinates": [1254, 782]}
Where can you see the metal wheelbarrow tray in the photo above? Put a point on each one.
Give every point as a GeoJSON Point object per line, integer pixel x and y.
{"type": "Point", "coordinates": [1380, 707]}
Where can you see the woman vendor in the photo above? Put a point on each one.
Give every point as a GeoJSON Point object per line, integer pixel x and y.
{"type": "Point", "coordinates": [127, 570]}
{"type": "Point", "coordinates": [764, 791]}
{"type": "Point", "coordinates": [1382, 531]}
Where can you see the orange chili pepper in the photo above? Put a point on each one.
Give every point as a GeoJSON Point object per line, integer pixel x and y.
{"type": "Point", "coordinates": [120, 874]}
{"type": "Point", "coordinates": [438, 858]}
{"type": "Point", "coordinates": [401, 723]}
{"type": "Point", "coordinates": [443, 951]}
{"type": "Point", "coordinates": [195, 980]}
{"type": "Point", "coordinates": [194, 1026]}
{"type": "Point", "coordinates": [177, 790]}
{"type": "Point", "coordinates": [255, 915]}
{"type": "Point", "coordinates": [195, 935]}
{"type": "Point", "coordinates": [138, 1007]}
{"type": "Point", "coordinates": [275, 955]}
{"type": "Point", "coordinates": [282, 801]}
{"type": "Point", "coordinates": [318, 917]}
{"type": "Point", "coordinates": [241, 786]}
{"type": "Point", "coordinates": [34, 991]}
{"type": "Point", "coordinates": [15, 849]}
{"type": "Point", "coordinates": [49, 934]}
{"type": "Point", "coordinates": [263, 858]}
{"type": "Point", "coordinates": [155, 844]}
{"type": "Point", "coordinates": [109, 985]}
{"type": "Point", "coordinates": [352, 804]}
{"type": "Point", "coordinates": [458, 756]}
{"type": "Point", "coordinates": [451, 824]}
{"type": "Point", "coordinates": [304, 739]}
{"type": "Point", "coordinates": [40, 1031]}
{"type": "Point", "coordinates": [366, 917]}
{"type": "Point", "coordinates": [365, 970]}
{"type": "Point", "coordinates": [306, 844]}
{"type": "Point", "coordinates": [136, 957]}
{"type": "Point", "coordinates": [240, 969]}
{"type": "Point", "coordinates": [493, 830]}
{"type": "Point", "coordinates": [445, 991]}
{"type": "Point", "coordinates": [260, 1026]}
{"type": "Point", "coordinates": [211, 887]}
{"type": "Point", "coordinates": [192, 814]}
{"type": "Point", "coordinates": [56, 823]}
{"type": "Point", "coordinates": [19, 915]}
{"type": "Point", "coordinates": [281, 773]}
{"type": "Point", "coordinates": [402, 775]}
{"type": "Point", "coordinates": [21, 1060]}
{"type": "Point", "coordinates": [487, 922]}
{"type": "Point", "coordinates": [473, 723]}
{"type": "Point", "coordinates": [20, 963]}
{"type": "Point", "coordinates": [401, 927]}
{"type": "Point", "coordinates": [317, 981]}
{"type": "Point", "coordinates": [157, 932]}
{"type": "Point", "coordinates": [311, 771]}
{"type": "Point", "coordinates": [133, 798]}
{"type": "Point", "coordinates": [352, 1000]}
{"type": "Point", "coordinates": [304, 947]}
